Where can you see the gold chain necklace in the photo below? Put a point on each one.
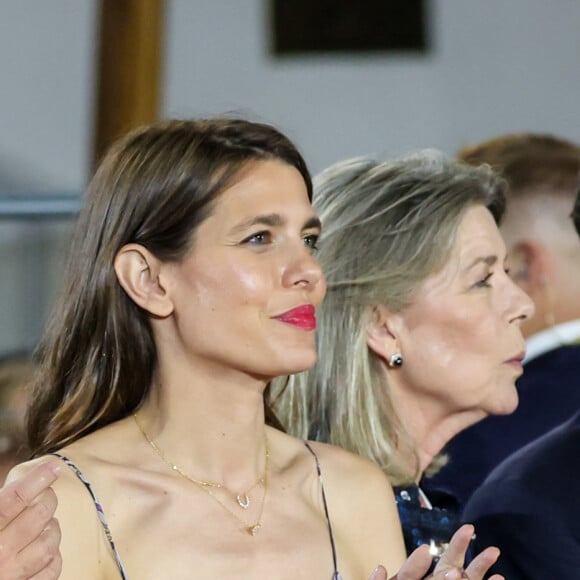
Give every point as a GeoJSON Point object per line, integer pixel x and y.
{"type": "Point", "coordinates": [243, 500]}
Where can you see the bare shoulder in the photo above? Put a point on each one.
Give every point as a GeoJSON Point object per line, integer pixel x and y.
{"type": "Point", "coordinates": [65, 486]}
{"type": "Point", "coordinates": [342, 470]}
{"type": "Point", "coordinates": [348, 471]}
{"type": "Point", "coordinates": [363, 507]}
{"type": "Point", "coordinates": [359, 500]}
{"type": "Point", "coordinates": [67, 489]}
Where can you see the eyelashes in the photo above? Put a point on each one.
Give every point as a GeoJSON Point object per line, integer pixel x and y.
{"type": "Point", "coordinates": [265, 238]}
{"type": "Point", "coordinates": [311, 241]}
{"type": "Point", "coordinates": [484, 282]}
{"type": "Point", "coordinates": [258, 239]}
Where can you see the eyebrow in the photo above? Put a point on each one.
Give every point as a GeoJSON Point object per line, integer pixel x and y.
{"type": "Point", "coordinates": [273, 220]}
{"type": "Point", "coordinates": [488, 260]}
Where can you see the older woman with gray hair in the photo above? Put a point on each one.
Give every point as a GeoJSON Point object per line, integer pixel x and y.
{"type": "Point", "coordinates": [419, 336]}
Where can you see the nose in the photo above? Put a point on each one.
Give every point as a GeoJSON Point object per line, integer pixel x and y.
{"type": "Point", "coordinates": [522, 306]}
{"type": "Point", "coordinates": [302, 270]}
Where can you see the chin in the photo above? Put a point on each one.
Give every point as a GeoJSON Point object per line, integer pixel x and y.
{"type": "Point", "coordinates": [299, 364]}
{"type": "Point", "coordinates": [507, 404]}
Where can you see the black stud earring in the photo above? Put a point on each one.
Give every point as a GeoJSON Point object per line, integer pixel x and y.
{"type": "Point", "coordinates": [396, 360]}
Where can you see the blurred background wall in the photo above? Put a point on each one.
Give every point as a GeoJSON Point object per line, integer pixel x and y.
{"type": "Point", "coordinates": [491, 67]}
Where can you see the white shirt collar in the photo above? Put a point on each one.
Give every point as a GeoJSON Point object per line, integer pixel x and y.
{"type": "Point", "coordinates": [551, 338]}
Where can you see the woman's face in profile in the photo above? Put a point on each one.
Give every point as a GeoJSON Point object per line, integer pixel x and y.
{"type": "Point", "coordinates": [461, 336]}
{"type": "Point", "coordinates": [244, 295]}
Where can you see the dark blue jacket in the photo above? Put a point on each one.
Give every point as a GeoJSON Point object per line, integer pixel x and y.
{"type": "Point", "coordinates": [529, 507]}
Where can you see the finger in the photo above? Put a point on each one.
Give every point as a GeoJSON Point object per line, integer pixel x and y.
{"type": "Point", "coordinates": [379, 573]}
{"type": "Point", "coordinates": [454, 555]}
{"type": "Point", "coordinates": [30, 523]}
{"type": "Point", "coordinates": [51, 572]}
{"type": "Point", "coordinates": [17, 495]}
{"type": "Point", "coordinates": [416, 565]}
{"type": "Point", "coordinates": [42, 555]}
{"type": "Point", "coordinates": [482, 563]}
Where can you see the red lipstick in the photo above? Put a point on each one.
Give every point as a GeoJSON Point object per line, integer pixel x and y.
{"type": "Point", "coordinates": [302, 317]}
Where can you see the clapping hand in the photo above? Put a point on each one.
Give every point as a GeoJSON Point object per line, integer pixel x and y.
{"type": "Point", "coordinates": [450, 565]}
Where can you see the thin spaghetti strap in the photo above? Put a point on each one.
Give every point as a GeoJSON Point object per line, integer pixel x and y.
{"type": "Point", "coordinates": [99, 509]}
{"type": "Point", "coordinates": [336, 575]}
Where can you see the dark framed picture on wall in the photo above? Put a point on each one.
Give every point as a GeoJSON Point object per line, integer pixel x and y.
{"type": "Point", "coordinates": [347, 26]}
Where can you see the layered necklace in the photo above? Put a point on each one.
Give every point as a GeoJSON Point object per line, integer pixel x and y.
{"type": "Point", "coordinates": [242, 500]}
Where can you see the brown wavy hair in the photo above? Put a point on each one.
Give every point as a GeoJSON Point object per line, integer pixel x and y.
{"type": "Point", "coordinates": [154, 187]}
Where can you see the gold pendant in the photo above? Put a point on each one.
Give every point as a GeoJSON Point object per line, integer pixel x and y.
{"type": "Point", "coordinates": [254, 529]}
{"type": "Point", "coordinates": [243, 503]}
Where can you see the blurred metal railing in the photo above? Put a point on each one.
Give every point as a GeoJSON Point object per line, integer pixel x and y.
{"type": "Point", "coordinates": [38, 206]}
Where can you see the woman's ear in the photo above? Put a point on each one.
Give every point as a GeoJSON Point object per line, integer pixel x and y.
{"type": "Point", "coordinates": [139, 273]}
{"type": "Point", "coordinates": [382, 332]}
{"type": "Point", "coordinates": [530, 266]}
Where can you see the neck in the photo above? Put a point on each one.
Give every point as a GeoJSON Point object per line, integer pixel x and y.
{"type": "Point", "coordinates": [210, 424]}
{"type": "Point", "coordinates": [432, 428]}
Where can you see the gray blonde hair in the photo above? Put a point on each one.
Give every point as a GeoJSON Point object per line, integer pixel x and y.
{"type": "Point", "coordinates": [387, 226]}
